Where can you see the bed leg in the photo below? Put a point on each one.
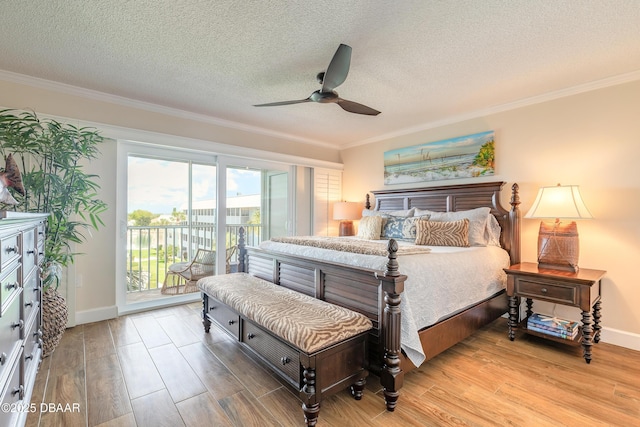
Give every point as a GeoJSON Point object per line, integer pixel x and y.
{"type": "Point", "coordinates": [392, 376]}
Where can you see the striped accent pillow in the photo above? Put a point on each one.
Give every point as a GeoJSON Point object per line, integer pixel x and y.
{"type": "Point", "coordinates": [449, 233]}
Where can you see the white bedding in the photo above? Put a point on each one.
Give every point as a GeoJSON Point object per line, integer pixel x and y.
{"type": "Point", "coordinates": [438, 284]}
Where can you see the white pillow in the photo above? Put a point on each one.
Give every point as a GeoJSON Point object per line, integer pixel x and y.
{"type": "Point", "coordinates": [478, 219]}
{"type": "Point", "coordinates": [405, 212]}
{"type": "Point", "coordinates": [492, 232]}
{"type": "Point", "coordinates": [370, 227]}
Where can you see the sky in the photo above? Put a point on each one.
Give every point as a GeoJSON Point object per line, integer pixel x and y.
{"type": "Point", "coordinates": [158, 186]}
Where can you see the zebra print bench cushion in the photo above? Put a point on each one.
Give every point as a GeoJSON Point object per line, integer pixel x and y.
{"type": "Point", "coordinates": [305, 322]}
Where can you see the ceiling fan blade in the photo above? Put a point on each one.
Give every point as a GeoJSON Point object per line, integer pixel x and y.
{"type": "Point", "coordinates": [274, 104]}
{"type": "Point", "coordinates": [354, 107]}
{"type": "Point", "coordinates": [338, 69]}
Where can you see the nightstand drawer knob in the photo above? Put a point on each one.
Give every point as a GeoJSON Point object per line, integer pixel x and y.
{"type": "Point", "coordinates": [543, 290]}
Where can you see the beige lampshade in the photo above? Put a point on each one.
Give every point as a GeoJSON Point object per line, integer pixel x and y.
{"type": "Point", "coordinates": [561, 201]}
{"type": "Point", "coordinates": [347, 211]}
{"type": "Point", "coordinates": [558, 244]}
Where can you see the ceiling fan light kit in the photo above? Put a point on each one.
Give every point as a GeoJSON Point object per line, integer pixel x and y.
{"type": "Point", "coordinates": [335, 75]}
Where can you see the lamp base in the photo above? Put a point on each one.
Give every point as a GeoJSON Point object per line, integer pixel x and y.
{"type": "Point", "coordinates": [346, 228]}
{"type": "Point", "coordinates": [558, 246]}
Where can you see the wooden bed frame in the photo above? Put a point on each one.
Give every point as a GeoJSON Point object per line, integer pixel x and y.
{"type": "Point", "coordinates": [378, 294]}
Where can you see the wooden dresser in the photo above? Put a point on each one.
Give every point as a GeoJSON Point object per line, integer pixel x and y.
{"type": "Point", "coordinates": [21, 251]}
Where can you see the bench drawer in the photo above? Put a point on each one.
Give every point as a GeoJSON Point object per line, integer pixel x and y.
{"type": "Point", "coordinates": [278, 354]}
{"type": "Point", "coordinates": [224, 316]}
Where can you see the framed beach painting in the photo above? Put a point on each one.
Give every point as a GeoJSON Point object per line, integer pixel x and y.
{"type": "Point", "coordinates": [462, 157]}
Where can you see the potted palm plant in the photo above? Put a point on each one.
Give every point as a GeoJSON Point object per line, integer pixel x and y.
{"type": "Point", "coordinates": [51, 156]}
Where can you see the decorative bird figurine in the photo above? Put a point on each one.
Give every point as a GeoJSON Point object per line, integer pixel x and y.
{"type": "Point", "coordinates": [10, 177]}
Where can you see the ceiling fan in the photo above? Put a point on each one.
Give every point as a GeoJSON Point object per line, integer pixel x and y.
{"type": "Point", "coordinates": [335, 75]}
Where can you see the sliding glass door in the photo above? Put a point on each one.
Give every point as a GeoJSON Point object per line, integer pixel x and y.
{"type": "Point", "coordinates": [170, 215]}
{"type": "Point", "coordinates": [178, 202]}
{"type": "Point", "coordinates": [257, 199]}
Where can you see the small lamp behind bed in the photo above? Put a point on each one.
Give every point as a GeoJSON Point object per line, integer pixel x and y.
{"type": "Point", "coordinates": [558, 246]}
{"type": "Point", "coordinates": [346, 212]}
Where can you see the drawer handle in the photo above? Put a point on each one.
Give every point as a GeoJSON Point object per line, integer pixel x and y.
{"type": "Point", "coordinates": [284, 360]}
{"type": "Point", "coordinates": [18, 324]}
{"type": "Point", "coordinates": [31, 252]}
{"type": "Point", "coordinates": [12, 286]}
{"type": "Point", "coordinates": [543, 290]}
{"type": "Point", "coordinates": [250, 336]}
{"type": "Point", "coordinates": [28, 304]}
{"type": "Point", "coordinates": [10, 249]}
{"type": "Point", "coordinates": [211, 308]}
{"type": "Point", "coordinates": [231, 322]}
{"type": "Point", "coordinates": [29, 357]}
{"type": "Point", "coordinates": [3, 358]}
{"type": "Point", "coordinates": [19, 391]}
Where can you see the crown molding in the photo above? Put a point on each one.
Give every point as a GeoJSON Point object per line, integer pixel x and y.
{"type": "Point", "coordinates": [549, 96]}
{"type": "Point", "coordinates": [95, 95]}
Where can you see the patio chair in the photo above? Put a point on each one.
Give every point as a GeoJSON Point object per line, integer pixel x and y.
{"type": "Point", "coordinates": [202, 265]}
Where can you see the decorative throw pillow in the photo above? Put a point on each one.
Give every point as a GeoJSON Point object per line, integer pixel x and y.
{"type": "Point", "coordinates": [443, 233]}
{"type": "Point", "coordinates": [478, 220]}
{"type": "Point", "coordinates": [401, 227]}
{"type": "Point", "coordinates": [370, 227]}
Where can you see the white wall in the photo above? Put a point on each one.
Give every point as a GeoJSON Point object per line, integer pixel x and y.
{"type": "Point", "coordinates": [590, 139]}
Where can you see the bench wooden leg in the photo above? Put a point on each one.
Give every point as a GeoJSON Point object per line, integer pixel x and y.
{"type": "Point", "coordinates": [311, 414]}
{"type": "Point", "coordinates": [357, 388]}
{"type": "Point", "coordinates": [205, 320]}
{"type": "Point", "coordinates": [309, 390]}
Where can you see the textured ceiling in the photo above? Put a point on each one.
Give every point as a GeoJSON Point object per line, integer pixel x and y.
{"type": "Point", "coordinates": [419, 62]}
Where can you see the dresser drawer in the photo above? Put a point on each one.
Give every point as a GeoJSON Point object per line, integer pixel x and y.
{"type": "Point", "coordinates": [9, 250]}
{"type": "Point", "coordinates": [40, 234]}
{"type": "Point", "coordinates": [547, 290]}
{"type": "Point", "coordinates": [12, 394]}
{"type": "Point", "coordinates": [11, 326]}
{"type": "Point", "coordinates": [28, 250]}
{"type": "Point", "coordinates": [31, 345]}
{"type": "Point", "coordinates": [9, 286]}
{"type": "Point", "coordinates": [30, 308]}
{"type": "Point", "coordinates": [282, 357]}
{"type": "Point", "coordinates": [223, 315]}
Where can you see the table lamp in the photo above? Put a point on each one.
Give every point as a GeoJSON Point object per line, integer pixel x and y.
{"type": "Point", "coordinates": [558, 246]}
{"type": "Point", "coordinates": [346, 212]}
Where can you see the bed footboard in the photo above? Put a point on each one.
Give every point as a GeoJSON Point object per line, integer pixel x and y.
{"type": "Point", "coordinates": [359, 289]}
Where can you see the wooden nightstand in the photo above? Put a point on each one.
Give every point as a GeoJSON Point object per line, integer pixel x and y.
{"type": "Point", "coordinates": [581, 290]}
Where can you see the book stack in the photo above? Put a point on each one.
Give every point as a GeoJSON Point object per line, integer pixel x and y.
{"type": "Point", "coordinates": [553, 326]}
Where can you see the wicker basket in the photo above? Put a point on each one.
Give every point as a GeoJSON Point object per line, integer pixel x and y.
{"type": "Point", "coordinates": [54, 319]}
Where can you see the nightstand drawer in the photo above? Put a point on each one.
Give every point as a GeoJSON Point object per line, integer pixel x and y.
{"type": "Point", "coordinates": [546, 290]}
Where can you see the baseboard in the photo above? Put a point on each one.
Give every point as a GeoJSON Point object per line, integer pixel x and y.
{"type": "Point", "coordinates": [96, 315]}
{"type": "Point", "coordinates": [621, 338]}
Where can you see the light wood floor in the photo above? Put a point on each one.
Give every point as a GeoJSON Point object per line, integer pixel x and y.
{"type": "Point", "coordinates": [160, 369]}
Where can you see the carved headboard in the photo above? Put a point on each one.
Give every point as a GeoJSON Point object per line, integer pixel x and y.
{"type": "Point", "coordinates": [451, 198]}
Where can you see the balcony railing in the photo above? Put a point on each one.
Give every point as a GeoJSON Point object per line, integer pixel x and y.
{"type": "Point", "coordinates": [152, 249]}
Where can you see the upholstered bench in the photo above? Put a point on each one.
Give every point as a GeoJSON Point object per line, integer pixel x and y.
{"type": "Point", "coordinates": [316, 347]}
